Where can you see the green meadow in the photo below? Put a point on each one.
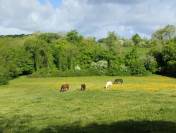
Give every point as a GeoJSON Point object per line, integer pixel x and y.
{"type": "Point", "coordinates": [140, 105]}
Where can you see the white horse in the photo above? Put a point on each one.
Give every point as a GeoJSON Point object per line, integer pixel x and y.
{"type": "Point", "coordinates": [108, 84]}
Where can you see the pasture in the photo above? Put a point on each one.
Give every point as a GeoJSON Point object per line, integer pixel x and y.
{"type": "Point", "coordinates": [140, 105]}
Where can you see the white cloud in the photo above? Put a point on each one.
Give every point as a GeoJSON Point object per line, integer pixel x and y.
{"type": "Point", "coordinates": [90, 17]}
{"type": "Point", "coordinates": [11, 31]}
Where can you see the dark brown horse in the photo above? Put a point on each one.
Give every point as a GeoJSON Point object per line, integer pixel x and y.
{"type": "Point", "coordinates": [83, 87]}
{"type": "Point", "coordinates": [64, 87]}
{"type": "Point", "coordinates": [118, 81]}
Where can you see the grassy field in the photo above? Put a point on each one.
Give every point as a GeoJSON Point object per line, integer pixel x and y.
{"type": "Point", "coordinates": [140, 105]}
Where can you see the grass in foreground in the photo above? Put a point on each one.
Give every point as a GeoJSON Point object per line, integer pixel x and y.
{"type": "Point", "coordinates": [141, 104]}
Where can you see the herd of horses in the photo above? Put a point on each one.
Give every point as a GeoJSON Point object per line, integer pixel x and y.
{"type": "Point", "coordinates": [109, 84]}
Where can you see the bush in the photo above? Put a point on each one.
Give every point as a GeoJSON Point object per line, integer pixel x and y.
{"type": "Point", "coordinates": [118, 70]}
{"type": "Point", "coordinates": [45, 72]}
{"type": "Point", "coordinates": [151, 64]}
{"type": "Point", "coordinates": [134, 64]}
{"type": "Point", "coordinates": [138, 69]}
{"type": "Point", "coordinates": [128, 43]}
{"type": "Point", "coordinates": [4, 76]}
{"type": "Point", "coordinates": [99, 67]}
{"type": "Point", "coordinates": [74, 73]}
{"type": "Point", "coordinates": [68, 73]}
{"type": "Point", "coordinates": [3, 80]}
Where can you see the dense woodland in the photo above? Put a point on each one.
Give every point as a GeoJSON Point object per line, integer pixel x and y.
{"type": "Point", "coordinates": [71, 54]}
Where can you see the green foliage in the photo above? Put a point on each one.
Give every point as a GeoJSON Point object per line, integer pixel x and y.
{"type": "Point", "coordinates": [40, 53]}
{"type": "Point", "coordinates": [128, 43]}
{"type": "Point", "coordinates": [100, 67]}
{"type": "Point", "coordinates": [134, 63]}
{"type": "Point", "coordinates": [49, 37]}
{"type": "Point", "coordinates": [67, 73]}
{"type": "Point", "coordinates": [45, 72]}
{"type": "Point", "coordinates": [118, 67]}
{"type": "Point", "coordinates": [151, 64]}
{"type": "Point", "coordinates": [112, 47]}
{"type": "Point", "coordinates": [53, 54]}
{"type": "Point", "coordinates": [16, 61]}
{"type": "Point", "coordinates": [74, 37]}
{"type": "Point", "coordinates": [4, 75]}
{"type": "Point", "coordinates": [140, 42]}
{"type": "Point", "coordinates": [166, 33]}
{"type": "Point", "coordinates": [136, 39]}
{"type": "Point", "coordinates": [169, 58]}
{"type": "Point", "coordinates": [64, 54]}
{"type": "Point", "coordinates": [166, 57]}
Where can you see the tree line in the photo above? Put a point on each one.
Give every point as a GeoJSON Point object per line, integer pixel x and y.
{"type": "Point", "coordinates": [71, 54]}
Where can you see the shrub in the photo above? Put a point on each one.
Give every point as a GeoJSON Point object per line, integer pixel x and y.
{"type": "Point", "coordinates": [45, 72]}
{"type": "Point", "coordinates": [128, 43]}
{"type": "Point", "coordinates": [138, 69]}
{"type": "Point", "coordinates": [151, 64]}
{"type": "Point", "coordinates": [118, 70]}
{"type": "Point", "coordinates": [3, 79]}
{"type": "Point", "coordinates": [4, 76]}
{"type": "Point", "coordinates": [99, 67]}
{"type": "Point", "coordinates": [68, 73]}
{"type": "Point", "coordinates": [134, 64]}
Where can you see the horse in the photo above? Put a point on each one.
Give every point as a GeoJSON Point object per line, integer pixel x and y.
{"type": "Point", "coordinates": [64, 87]}
{"type": "Point", "coordinates": [108, 84]}
{"type": "Point", "coordinates": [118, 81]}
{"type": "Point", "coordinates": [83, 87]}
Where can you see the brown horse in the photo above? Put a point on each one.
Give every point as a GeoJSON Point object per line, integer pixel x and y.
{"type": "Point", "coordinates": [64, 87]}
{"type": "Point", "coordinates": [83, 87]}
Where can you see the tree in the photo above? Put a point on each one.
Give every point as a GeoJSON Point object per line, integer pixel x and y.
{"type": "Point", "coordinates": [88, 53]}
{"type": "Point", "coordinates": [16, 60]}
{"type": "Point", "coordinates": [43, 53]}
{"type": "Point", "coordinates": [49, 37]}
{"type": "Point", "coordinates": [169, 58]}
{"type": "Point", "coordinates": [65, 54]}
{"type": "Point", "coordinates": [112, 46]}
{"type": "Point", "coordinates": [136, 39]}
{"type": "Point", "coordinates": [166, 57]}
{"type": "Point", "coordinates": [164, 34]}
{"type": "Point", "coordinates": [134, 64]}
{"type": "Point", "coordinates": [40, 53]}
{"type": "Point", "coordinates": [151, 64]}
{"type": "Point", "coordinates": [74, 37]}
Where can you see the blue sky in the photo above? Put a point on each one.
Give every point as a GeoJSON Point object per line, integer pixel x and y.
{"type": "Point", "coordinates": [89, 17]}
{"type": "Point", "coordinates": [55, 3]}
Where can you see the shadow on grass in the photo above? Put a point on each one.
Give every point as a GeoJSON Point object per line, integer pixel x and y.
{"type": "Point", "coordinates": [21, 125]}
{"type": "Point", "coordinates": [117, 127]}
{"type": "Point", "coordinates": [16, 124]}
{"type": "Point", "coordinates": [171, 75]}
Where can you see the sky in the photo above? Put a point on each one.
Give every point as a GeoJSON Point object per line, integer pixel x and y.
{"type": "Point", "coordinates": [89, 17]}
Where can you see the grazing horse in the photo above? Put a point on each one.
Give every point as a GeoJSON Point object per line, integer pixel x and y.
{"type": "Point", "coordinates": [108, 84]}
{"type": "Point", "coordinates": [83, 87]}
{"type": "Point", "coordinates": [64, 87]}
{"type": "Point", "coordinates": [118, 81]}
